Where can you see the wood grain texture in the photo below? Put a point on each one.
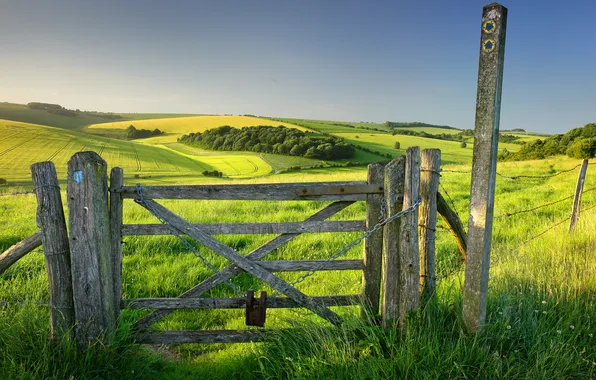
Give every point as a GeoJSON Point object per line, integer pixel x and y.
{"type": "Point", "coordinates": [18, 250]}
{"type": "Point", "coordinates": [116, 205]}
{"type": "Point", "coordinates": [430, 168]}
{"type": "Point", "coordinates": [206, 336]}
{"type": "Point", "coordinates": [454, 224]}
{"type": "Point", "coordinates": [232, 270]}
{"type": "Point", "coordinates": [231, 303]}
{"type": "Point", "coordinates": [252, 228]}
{"type": "Point", "coordinates": [409, 254]}
{"type": "Point", "coordinates": [394, 185]}
{"type": "Point", "coordinates": [90, 241]}
{"type": "Point", "coordinates": [248, 265]}
{"type": "Point", "coordinates": [373, 247]}
{"type": "Point", "coordinates": [577, 199]}
{"type": "Point", "coordinates": [484, 165]}
{"type": "Point", "coordinates": [50, 219]}
{"type": "Point", "coordinates": [266, 192]}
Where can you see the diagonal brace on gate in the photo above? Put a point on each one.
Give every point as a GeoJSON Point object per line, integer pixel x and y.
{"type": "Point", "coordinates": [246, 264]}
{"type": "Point", "coordinates": [232, 270]}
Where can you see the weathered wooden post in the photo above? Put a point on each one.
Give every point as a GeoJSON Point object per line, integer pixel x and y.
{"type": "Point", "coordinates": [430, 174]}
{"type": "Point", "coordinates": [373, 246]}
{"type": "Point", "coordinates": [50, 219]}
{"type": "Point", "coordinates": [486, 138]}
{"type": "Point", "coordinates": [20, 249]}
{"type": "Point", "coordinates": [90, 242]}
{"type": "Point", "coordinates": [409, 254]}
{"type": "Point", "coordinates": [116, 182]}
{"type": "Point", "coordinates": [454, 224]}
{"type": "Point", "coordinates": [577, 199]}
{"type": "Point", "coordinates": [394, 187]}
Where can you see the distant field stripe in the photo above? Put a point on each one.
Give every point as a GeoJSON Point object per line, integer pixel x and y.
{"type": "Point", "coordinates": [139, 167]}
{"type": "Point", "coordinates": [232, 166]}
{"type": "Point", "coordinates": [161, 152]}
{"type": "Point", "coordinates": [102, 147]}
{"type": "Point", "coordinates": [53, 155]}
{"type": "Point", "coordinates": [18, 145]}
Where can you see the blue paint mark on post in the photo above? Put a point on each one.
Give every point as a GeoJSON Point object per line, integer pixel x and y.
{"type": "Point", "coordinates": [77, 176]}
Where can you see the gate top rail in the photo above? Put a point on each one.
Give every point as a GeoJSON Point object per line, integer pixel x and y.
{"type": "Point", "coordinates": [332, 191]}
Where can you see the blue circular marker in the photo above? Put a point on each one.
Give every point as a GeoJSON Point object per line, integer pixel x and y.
{"type": "Point", "coordinates": [489, 26]}
{"type": "Point", "coordinates": [488, 46]}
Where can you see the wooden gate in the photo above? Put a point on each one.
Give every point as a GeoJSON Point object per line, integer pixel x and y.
{"type": "Point", "coordinates": [395, 269]}
{"type": "Point", "coordinates": [342, 194]}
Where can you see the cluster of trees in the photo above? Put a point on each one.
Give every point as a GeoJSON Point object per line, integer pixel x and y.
{"type": "Point", "coordinates": [213, 173]}
{"type": "Point", "coordinates": [133, 133]}
{"type": "Point", "coordinates": [57, 109]}
{"type": "Point", "coordinates": [577, 143]}
{"type": "Point", "coordinates": [268, 139]}
{"type": "Point", "coordinates": [51, 108]}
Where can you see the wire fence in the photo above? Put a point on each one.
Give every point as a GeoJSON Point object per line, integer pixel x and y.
{"type": "Point", "coordinates": [16, 193]}
{"type": "Point", "coordinates": [521, 176]}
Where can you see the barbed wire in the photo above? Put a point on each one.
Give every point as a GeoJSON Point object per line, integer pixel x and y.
{"type": "Point", "coordinates": [521, 175]}
{"type": "Point", "coordinates": [506, 215]}
{"type": "Point", "coordinates": [450, 199]}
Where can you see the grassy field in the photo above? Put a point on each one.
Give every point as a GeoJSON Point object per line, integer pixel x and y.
{"type": "Point", "coordinates": [175, 127]}
{"type": "Point", "coordinates": [22, 113]}
{"type": "Point", "coordinates": [542, 293]}
{"type": "Point", "coordinates": [541, 297]}
{"type": "Point", "coordinates": [25, 144]}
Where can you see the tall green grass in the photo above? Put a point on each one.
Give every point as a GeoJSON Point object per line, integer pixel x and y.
{"type": "Point", "coordinates": [540, 307]}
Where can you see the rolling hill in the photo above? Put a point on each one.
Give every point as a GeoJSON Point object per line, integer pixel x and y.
{"type": "Point", "coordinates": [24, 144]}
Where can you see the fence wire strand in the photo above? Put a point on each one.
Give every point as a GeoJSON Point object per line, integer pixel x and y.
{"type": "Point", "coordinates": [514, 177]}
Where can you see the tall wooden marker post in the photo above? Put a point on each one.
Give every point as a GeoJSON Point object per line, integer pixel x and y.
{"type": "Point", "coordinates": [484, 166]}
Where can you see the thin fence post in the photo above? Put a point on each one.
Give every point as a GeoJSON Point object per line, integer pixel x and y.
{"type": "Point", "coordinates": [373, 246]}
{"type": "Point", "coordinates": [92, 262]}
{"type": "Point", "coordinates": [427, 214]}
{"type": "Point", "coordinates": [484, 165]}
{"type": "Point", "coordinates": [577, 199]}
{"type": "Point", "coordinates": [409, 254]}
{"type": "Point", "coordinates": [116, 182]}
{"type": "Point", "coordinates": [50, 219]}
{"type": "Point", "coordinates": [394, 187]}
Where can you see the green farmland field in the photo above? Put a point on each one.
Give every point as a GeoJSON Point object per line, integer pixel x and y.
{"type": "Point", "coordinates": [25, 144]}
{"type": "Point", "coordinates": [22, 113]}
{"type": "Point", "coordinates": [541, 304]}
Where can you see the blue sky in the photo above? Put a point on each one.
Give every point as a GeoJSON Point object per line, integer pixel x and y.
{"type": "Point", "coordinates": [342, 60]}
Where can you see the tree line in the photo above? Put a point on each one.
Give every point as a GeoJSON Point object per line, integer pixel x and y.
{"type": "Point", "coordinates": [269, 139]}
{"type": "Point", "coordinates": [577, 143]}
{"type": "Point", "coordinates": [57, 109]}
{"type": "Point", "coordinates": [133, 133]}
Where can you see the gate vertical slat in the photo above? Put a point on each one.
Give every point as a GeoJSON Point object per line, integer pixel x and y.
{"type": "Point", "coordinates": [116, 208]}
{"type": "Point", "coordinates": [429, 185]}
{"type": "Point", "coordinates": [409, 255]}
{"type": "Point", "coordinates": [50, 219]}
{"type": "Point", "coordinates": [394, 185]}
{"type": "Point", "coordinates": [90, 242]}
{"type": "Point", "coordinates": [373, 247]}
